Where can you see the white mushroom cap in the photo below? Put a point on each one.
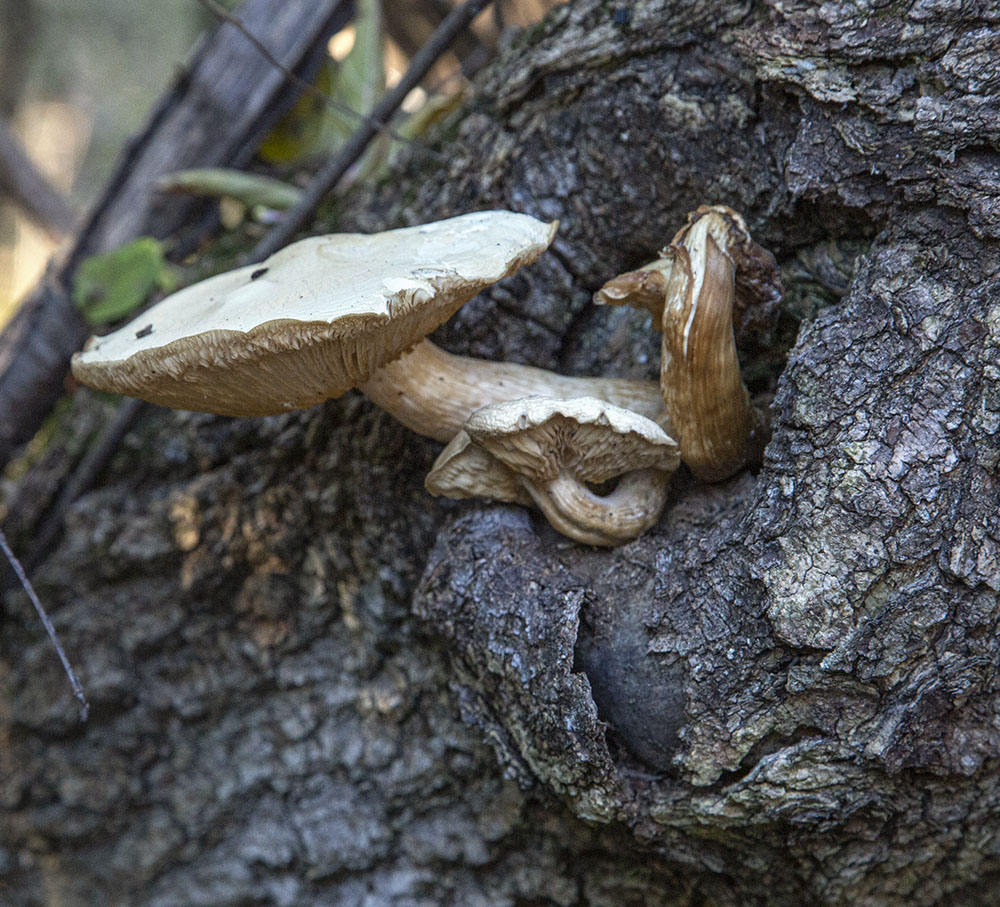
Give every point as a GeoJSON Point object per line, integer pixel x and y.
{"type": "Point", "coordinates": [310, 322]}
{"type": "Point", "coordinates": [550, 449]}
{"type": "Point", "coordinates": [540, 437]}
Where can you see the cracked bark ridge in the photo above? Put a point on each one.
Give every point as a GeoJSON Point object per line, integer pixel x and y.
{"type": "Point", "coordinates": [510, 617]}
{"type": "Point", "coordinates": [896, 109]}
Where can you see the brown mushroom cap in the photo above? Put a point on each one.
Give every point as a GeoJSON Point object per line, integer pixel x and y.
{"type": "Point", "coordinates": [550, 449]}
{"type": "Point", "coordinates": [711, 283]}
{"type": "Point", "coordinates": [645, 288]}
{"type": "Point", "coordinates": [541, 437]}
{"type": "Point", "coordinates": [310, 322]}
{"type": "Point", "coordinates": [465, 470]}
{"type": "Point", "coordinates": [719, 429]}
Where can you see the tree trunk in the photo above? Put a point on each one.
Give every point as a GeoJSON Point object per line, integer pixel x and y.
{"type": "Point", "coordinates": [312, 684]}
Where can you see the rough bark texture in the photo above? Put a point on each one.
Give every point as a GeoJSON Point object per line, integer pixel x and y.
{"type": "Point", "coordinates": [311, 685]}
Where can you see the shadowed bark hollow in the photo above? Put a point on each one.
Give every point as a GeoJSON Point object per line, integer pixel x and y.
{"type": "Point", "coordinates": [312, 684]}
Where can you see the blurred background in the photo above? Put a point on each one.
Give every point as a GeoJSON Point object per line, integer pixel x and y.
{"type": "Point", "coordinates": [78, 77]}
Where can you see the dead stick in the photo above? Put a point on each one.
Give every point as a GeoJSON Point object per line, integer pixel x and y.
{"type": "Point", "coordinates": [31, 191]}
{"type": "Point", "coordinates": [327, 178]}
{"type": "Point", "coordinates": [220, 13]}
{"type": "Point", "coordinates": [51, 630]}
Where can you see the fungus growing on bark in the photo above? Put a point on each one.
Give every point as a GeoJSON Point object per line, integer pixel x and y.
{"type": "Point", "coordinates": [333, 312]}
{"type": "Point", "coordinates": [711, 272]}
{"type": "Point", "coordinates": [545, 451]}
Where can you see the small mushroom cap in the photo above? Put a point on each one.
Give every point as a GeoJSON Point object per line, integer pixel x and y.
{"type": "Point", "coordinates": [758, 281]}
{"type": "Point", "coordinates": [310, 322]}
{"type": "Point", "coordinates": [465, 470]}
{"type": "Point", "coordinates": [645, 288]}
{"type": "Point", "coordinates": [540, 437]}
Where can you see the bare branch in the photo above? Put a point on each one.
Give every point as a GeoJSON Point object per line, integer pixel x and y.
{"type": "Point", "coordinates": [328, 177]}
{"type": "Point", "coordinates": [47, 623]}
{"type": "Point", "coordinates": [22, 182]}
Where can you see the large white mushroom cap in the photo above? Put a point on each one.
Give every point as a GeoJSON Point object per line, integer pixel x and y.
{"type": "Point", "coordinates": [310, 322]}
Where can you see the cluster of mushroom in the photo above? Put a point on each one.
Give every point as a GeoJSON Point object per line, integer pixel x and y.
{"type": "Point", "coordinates": [348, 310]}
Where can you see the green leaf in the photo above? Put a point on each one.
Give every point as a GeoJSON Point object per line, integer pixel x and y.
{"type": "Point", "coordinates": [110, 286]}
{"type": "Point", "coordinates": [250, 188]}
{"type": "Point", "coordinates": [353, 87]}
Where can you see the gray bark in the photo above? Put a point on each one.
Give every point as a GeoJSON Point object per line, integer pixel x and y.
{"type": "Point", "coordinates": [312, 684]}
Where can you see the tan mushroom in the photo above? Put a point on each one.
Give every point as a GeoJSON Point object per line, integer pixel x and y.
{"type": "Point", "coordinates": [466, 470]}
{"type": "Point", "coordinates": [645, 288]}
{"type": "Point", "coordinates": [332, 312]}
{"type": "Point", "coordinates": [546, 451]}
{"type": "Point", "coordinates": [707, 276]}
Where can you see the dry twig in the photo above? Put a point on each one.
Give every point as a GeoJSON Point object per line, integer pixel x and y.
{"type": "Point", "coordinates": [20, 179]}
{"type": "Point", "coordinates": [51, 630]}
{"type": "Point", "coordinates": [220, 13]}
{"type": "Point", "coordinates": [333, 171]}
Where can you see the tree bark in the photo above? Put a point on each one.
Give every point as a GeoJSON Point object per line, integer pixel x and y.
{"type": "Point", "coordinates": [313, 685]}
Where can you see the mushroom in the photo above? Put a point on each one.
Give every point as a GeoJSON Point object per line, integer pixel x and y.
{"type": "Point", "coordinates": [546, 451]}
{"type": "Point", "coordinates": [332, 312]}
{"type": "Point", "coordinates": [708, 276]}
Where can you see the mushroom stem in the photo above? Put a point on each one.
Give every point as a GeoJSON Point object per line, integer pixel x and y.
{"type": "Point", "coordinates": [718, 429]}
{"type": "Point", "coordinates": [700, 289]}
{"type": "Point", "coordinates": [433, 392]}
{"type": "Point", "coordinates": [604, 520]}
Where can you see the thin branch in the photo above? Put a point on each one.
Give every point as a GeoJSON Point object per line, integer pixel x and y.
{"type": "Point", "coordinates": [51, 630]}
{"type": "Point", "coordinates": [223, 16]}
{"type": "Point", "coordinates": [20, 179]}
{"type": "Point", "coordinates": [332, 172]}
{"type": "Point", "coordinates": [410, 24]}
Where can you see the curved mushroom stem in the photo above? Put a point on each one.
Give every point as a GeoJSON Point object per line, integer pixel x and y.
{"type": "Point", "coordinates": [718, 429]}
{"type": "Point", "coordinates": [574, 510]}
{"type": "Point", "coordinates": [697, 292]}
{"type": "Point", "coordinates": [433, 392]}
